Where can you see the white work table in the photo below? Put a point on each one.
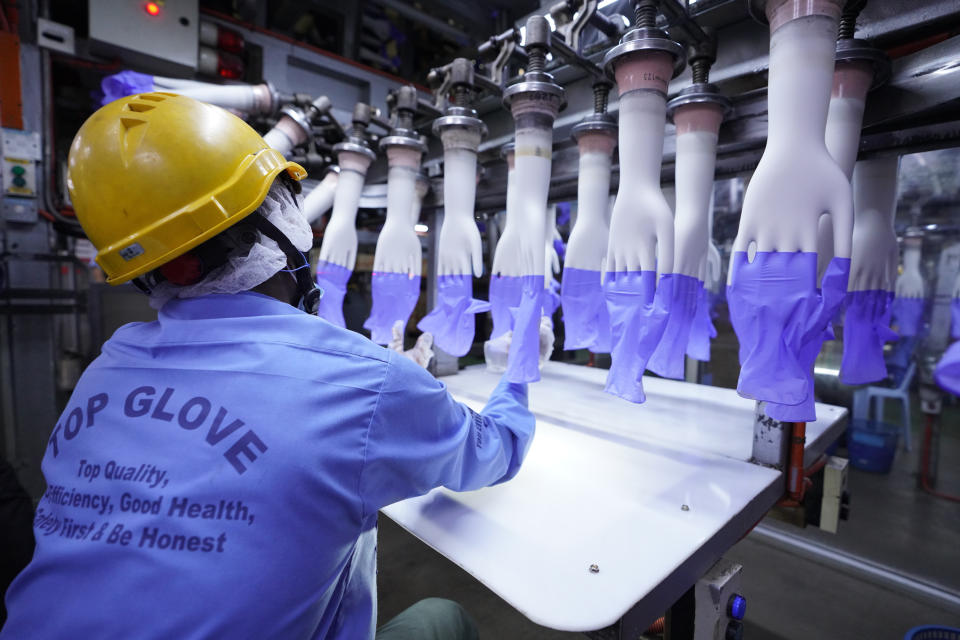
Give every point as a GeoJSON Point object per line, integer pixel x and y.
{"type": "Point", "coordinates": [651, 494]}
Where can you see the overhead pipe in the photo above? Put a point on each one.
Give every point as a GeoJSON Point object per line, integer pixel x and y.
{"type": "Point", "coordinates": [459, 246]}
{"type": "Point", "coordinates": [777, 306]}
{"type": "Point", "coordinates": [338, 251]}
{"type": "Point", "coordinates": [397, 262]}
{"type": "Point", "coordinates": [518, 264]}
{"type": "Point", "coordinates": [697, 113]}
{"type": "Point", "coordinates": [639, 262]}
{"type": "Point", "coordinates": [585, 316]}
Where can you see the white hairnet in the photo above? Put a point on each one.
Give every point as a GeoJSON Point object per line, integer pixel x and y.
{"type": "Point", "coordinates": [242, 273]}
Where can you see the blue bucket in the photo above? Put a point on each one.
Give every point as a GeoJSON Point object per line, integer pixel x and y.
{"type": "Point", "coordinates": [872, 445]}
{"type": "Point", "coordinates": [932, 632]}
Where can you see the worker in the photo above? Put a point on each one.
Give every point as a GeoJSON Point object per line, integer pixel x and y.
{"type": "Point", "coordinates": [218, 473]}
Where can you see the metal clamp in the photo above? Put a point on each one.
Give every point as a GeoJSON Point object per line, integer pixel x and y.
{"type": "Point", "coordinates": [704, 93]}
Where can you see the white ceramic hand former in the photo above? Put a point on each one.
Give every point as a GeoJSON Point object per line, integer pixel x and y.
{"type": "Point", "coordinates": [641, 225]}
{"type": "Point", "coordinates": [697, 126]}
{"type": "Point", "coordinates": [875, 251]}
{"type": "Point", "coordinates": [713, 268]}
{"type": "Point", "coordinates": [340, 237]}
{"type": "Point", "coordinates": [910, 283]}
{"type": "Point", "coordinates": [520, 251]}
{"type": "Point", "coordinates": [398, 246]}
{"type": "Point", "coordinates": [797, 180]}
{"type": "Point", "coordinates": [460, 248]}
{"type": "Point", "coordinates": [320, 198]}
{"type": "Point", "coordinates": [851, 81]}
{"type": "Point", "coordinates": [552, 259]}
{"type": "Point", "coordinates": [590, 235]}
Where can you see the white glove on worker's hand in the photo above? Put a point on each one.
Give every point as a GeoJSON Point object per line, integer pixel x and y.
{"type": "Point", "coordinates": [546, 339]}
{"type": "Point", "coordinates": [496, 351]}
{"type": "Point", "coordinates": [422, 352]}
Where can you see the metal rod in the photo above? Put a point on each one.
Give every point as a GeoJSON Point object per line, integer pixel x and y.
{"type": "Point", "coordinates": [878, 574]}
{"type": "Point", "coordinates": [563, 50]}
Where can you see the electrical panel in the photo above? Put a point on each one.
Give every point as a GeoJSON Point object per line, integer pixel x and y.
{"type": "Point", "coordinates": [160, 36]}
{"type": "Point", "coordinates": [20, 152]}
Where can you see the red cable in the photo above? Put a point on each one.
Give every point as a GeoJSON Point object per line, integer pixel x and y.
{"type": "Point", "coordinates": [925, 464]}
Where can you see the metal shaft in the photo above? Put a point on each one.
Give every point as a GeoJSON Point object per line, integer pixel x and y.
{"type": "Point", "coordinates": [848, 19]}
{"type": "Point", "coordinates": [701, 70]}
{"type": "Point", "coordinates": [601, 92]}
{"type": "Point", "coordinates": [645, 14]}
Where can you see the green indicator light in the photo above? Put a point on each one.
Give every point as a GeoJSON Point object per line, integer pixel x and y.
{"type": "Point", "coordinates": [19, 182]}
{"type": "Point", "coordinates": [18, 170]}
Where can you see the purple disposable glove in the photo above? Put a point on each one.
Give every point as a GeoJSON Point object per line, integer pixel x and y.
{"type": "Point", "coordinates": [394, 297]}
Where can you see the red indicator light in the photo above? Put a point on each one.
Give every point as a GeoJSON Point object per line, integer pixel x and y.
{"type": "Point", "coordinates": [152, 8]}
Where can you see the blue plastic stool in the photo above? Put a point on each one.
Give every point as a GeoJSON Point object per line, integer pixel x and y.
{"type": "Point", "coordinates": [876, 397]}
{"type": "Point", "coordinates": [932, 632]}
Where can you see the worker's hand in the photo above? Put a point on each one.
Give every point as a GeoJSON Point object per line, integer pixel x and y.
{"type": "Point", "coordinates": [460, 249]}
{"type": "Point", "coordinates": [547, 339]}
{"type": "Point", "coordinates": [422, 352]}
{"type": "Point", "coordinates": [497, 350]}
{"type": "Point", "coordinates": [398, 248]}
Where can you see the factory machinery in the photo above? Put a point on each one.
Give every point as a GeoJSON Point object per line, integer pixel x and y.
{"type": "Point", "coordinates": [705, 90]}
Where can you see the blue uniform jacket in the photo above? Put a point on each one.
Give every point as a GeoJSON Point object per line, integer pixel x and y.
{"type": "Point", "coordinates": [217, 474]}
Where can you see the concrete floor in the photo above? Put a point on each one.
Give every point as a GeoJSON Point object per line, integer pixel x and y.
{"type": "Point", "coordinates": [789, 597]}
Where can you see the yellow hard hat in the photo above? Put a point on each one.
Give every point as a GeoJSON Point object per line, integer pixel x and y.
{"type": "Point", "coordinates": [155, 174]}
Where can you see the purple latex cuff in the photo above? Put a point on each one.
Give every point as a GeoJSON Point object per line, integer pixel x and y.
{"type": "Point", "coordinates": [124, 83]}
{"type": "Point", "coordinates": [586, 322]}
{"type": "Point", "coordinates": [523, 360]}
{"type": "Point", "coordinates": [551, 297]}
{"type": "Point", "coordinates": [638, 315]}
{"type": "Point", "coordinates": [781, 319]}
{"type": "Point", "coordinates": [831, 294]}
{"type": "Point", "coordinates": [866, 327]}
{"type": "Point", "coordinates": [955, 319]}
{"type": "Point", "coordinates": [702, 329]}
{"type": "Point", "coordinates": [332, 278]}
{"type": "Point", "coordinates": [452, 320]}
{"type": "Point", "coordinates": [394, 297]}
{"type": "Point", "coordinates": [908, 316]}
{"type": "Point", "coordinates": [668, 358]}
{"type": "Point", "coordinates": [947, 373]}
{"type": "Point", "coordinates": [505, 294]}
